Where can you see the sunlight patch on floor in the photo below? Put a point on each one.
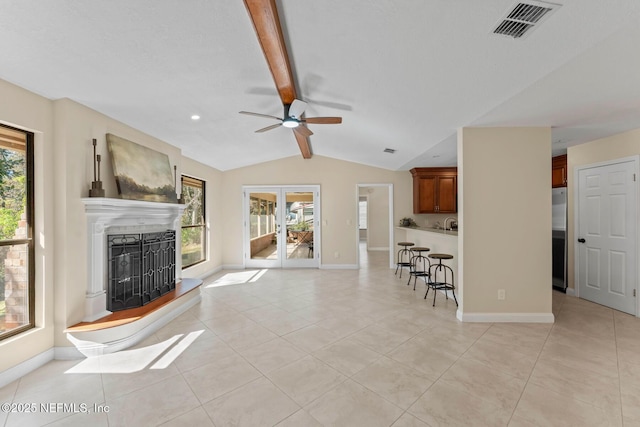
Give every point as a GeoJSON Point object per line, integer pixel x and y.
{"type": "Point", "coordinates": [237, 278]}
{"type": "Point", "coordinates": [129, 361]}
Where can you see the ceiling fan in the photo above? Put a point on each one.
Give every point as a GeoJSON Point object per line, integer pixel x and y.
{"type": "Point", "coordinates": [264, 16]}
{"type": "Point", "coordinates": [293, 119]}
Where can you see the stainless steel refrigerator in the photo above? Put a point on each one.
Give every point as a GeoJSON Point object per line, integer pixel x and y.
{"type": "Point", "coordinates": [559, 238]}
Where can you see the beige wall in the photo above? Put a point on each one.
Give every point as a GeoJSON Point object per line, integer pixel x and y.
{"type": "Point", "coordinates": [338, 182]}
{"type": "Point", "coordinates": [25, 110]}
{"type": "Point", "coordinates": [378, 216]}
{"type": "Point", "coordinates": [504, 182]}
{"type": "Point", "coordinates": [601, 150]}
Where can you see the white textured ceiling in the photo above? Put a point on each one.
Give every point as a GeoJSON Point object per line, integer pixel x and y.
{"type": "Point", "coordinates": [403, 74]}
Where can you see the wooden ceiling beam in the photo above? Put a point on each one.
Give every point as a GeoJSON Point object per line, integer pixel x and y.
{"type": "Point", "coordinates": [264, 15]}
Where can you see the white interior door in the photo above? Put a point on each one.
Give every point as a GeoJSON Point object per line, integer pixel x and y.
{"type": "Point", "coordinates": [282, 226]}
{"type": "Point", "coordinates": [607, 234]}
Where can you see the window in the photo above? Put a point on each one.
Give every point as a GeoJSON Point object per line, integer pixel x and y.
{"type": "Point", "coordinates": [362, 213]}
{"type": "Point", "coordinates": [17, 260]}
{"type": "Point", "coordinates": [193, 224]}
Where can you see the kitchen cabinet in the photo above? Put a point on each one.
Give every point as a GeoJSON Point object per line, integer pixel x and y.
{"type": "Point", "coordinates": [559, 171]}
{"type": "Point", "coordinates": [435, 190]}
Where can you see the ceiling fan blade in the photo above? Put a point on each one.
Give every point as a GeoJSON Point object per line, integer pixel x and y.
{"type": "Point", "coordinates": [249, 113]}
{"type": "Point", "coordinates": [311, 84]}
{"type": "Point", "coordinates": [336, 105]}
{"type": "Point", "coordinates": [323, 120]}
{"type": "Point", "coordinates": [303, 144]}
{"type": "Point", "coordinates": [303, 130]}
{"type": "Point", "coordinates": [269, 128]}
{"type": "Point", "coordinates": [297, 108]}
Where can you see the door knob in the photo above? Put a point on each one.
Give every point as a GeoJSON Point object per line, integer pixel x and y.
{"type": "Point", "coordinates": [581, 240]}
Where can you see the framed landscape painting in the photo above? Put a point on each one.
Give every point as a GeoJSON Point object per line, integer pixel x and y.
{"type": "Point", "coordinates": [141, 173]}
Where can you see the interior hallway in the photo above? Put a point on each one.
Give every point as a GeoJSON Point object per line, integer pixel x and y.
{"type": "Point", "coordinates": [349, 348]}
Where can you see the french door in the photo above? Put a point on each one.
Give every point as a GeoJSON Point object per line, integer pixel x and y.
{"type": "Point", "coordinates": [282, 226]}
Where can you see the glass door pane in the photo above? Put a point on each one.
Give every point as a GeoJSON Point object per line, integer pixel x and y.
{"type": "Point", "coordinates": [262, 228]}
{"type": "Point", "coordinates": [300, 228]}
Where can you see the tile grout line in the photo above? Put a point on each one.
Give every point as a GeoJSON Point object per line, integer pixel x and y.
{"type": "Point", "coordinates": [444, 372]}
{"type": "Point", "coordinates": [532, 369]}
{"type": "Point", "coordinates": [615, 337]}
{"type": "Point", "coordinates": [347, 377]}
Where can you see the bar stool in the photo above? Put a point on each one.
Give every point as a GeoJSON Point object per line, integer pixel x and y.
{"type": "Point", "coordinates": [420, 265]}
{"type": "Point", "coordinates": [435, 284]}
{"type": "Point", "coordinates": [404, 256]}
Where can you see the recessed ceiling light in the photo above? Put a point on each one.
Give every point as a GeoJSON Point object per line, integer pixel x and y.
{"type": "Point", "coordinates": [195, 117]}
{"type": "Point", "coordinates": [389, 150]}
{"type": "Point", "coordinates": [436, 156]}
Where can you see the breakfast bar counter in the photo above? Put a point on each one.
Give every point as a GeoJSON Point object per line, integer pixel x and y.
{"type": "Point", "coordinates": [439, 241]}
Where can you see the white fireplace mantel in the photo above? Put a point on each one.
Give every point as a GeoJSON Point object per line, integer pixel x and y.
{"type": "Point", "coordinates": [118, 216]}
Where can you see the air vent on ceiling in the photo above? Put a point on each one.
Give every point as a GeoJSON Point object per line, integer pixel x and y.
{"type": "Point", "coordinates": [523, 17]}
{"type": "Point", "coordinates": [389, 150]}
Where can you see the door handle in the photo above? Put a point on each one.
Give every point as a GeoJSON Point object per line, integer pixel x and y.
{"type": "Point", "coordinates": [581, 240]}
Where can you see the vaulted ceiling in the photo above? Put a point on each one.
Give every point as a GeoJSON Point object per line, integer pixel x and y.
{"type": "Point", "coordinates": [403, 74]}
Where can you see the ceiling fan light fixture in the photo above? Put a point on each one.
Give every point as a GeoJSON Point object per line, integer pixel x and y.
{"type": "Point", "coordinates": [290, 123]}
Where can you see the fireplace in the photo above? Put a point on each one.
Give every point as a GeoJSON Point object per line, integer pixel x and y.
{"type": "Point", "coordinates": [141, 268]}
{"type": "Point", "coordinates": [133, 256]}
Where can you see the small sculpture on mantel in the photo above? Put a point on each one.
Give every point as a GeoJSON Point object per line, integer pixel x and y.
{"type": "Point", "coordinates": [96, 186]}
{"type": "Point", "coordinates": [175, 178]}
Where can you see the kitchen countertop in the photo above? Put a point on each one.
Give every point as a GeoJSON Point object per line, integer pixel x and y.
{"type": "Point", "coordinates": [432, 230]}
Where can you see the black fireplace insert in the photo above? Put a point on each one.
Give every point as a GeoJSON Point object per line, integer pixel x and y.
{"type": "Point", "coordinates": [142, 268]}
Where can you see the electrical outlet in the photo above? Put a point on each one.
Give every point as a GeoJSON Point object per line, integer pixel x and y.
{"type": "Point", "coordinates": [336, 255]}
{"type": "Point", "coordinates": [501, 294]}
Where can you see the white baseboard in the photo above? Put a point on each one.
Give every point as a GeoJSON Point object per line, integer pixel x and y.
{"type": "Point", "coordinates": [571, 292]}
{"type": "Point", "coordinates": [233, 267]}
{"type": "Point", "coordinates": [505, 317]}
{"type": "Point", "coordinates": [22, 369]}
{"type": "Point", "coordinates": [67, 353]}
{"type": "Point", "coordinates": [208, 273]}
{"type": "Point", "coordinates": [338, 266]}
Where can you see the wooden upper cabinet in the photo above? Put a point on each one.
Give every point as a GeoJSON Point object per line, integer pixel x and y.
{"type": "Point", "coordinates": [447, 194]}
{"type": "Point", "coordinates": [559, 171]}
{"type": "Point", "coordinates": [435, 190]}
{"type": "Point", "coordinates": [424, 194]}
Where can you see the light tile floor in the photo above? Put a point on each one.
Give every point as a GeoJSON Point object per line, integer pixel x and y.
{"type": "Point", "coordinates": [348, 348]}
